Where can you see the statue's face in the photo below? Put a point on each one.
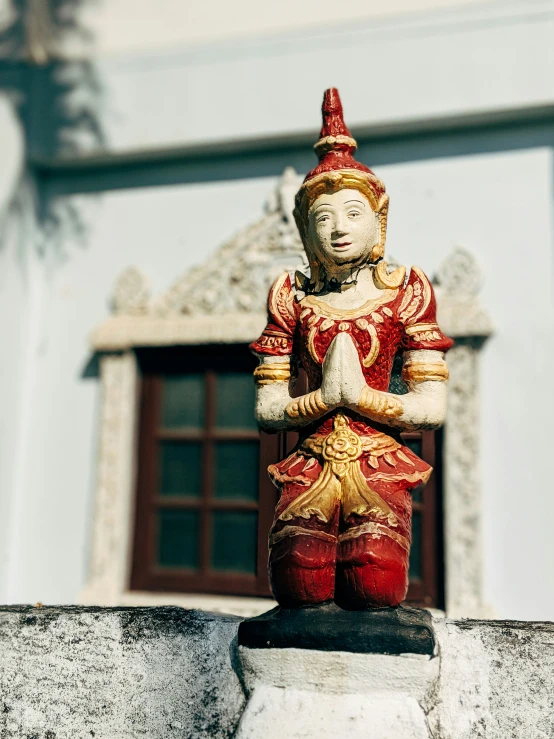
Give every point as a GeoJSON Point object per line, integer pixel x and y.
{"type": "Point", "coordinates": [342, 227]}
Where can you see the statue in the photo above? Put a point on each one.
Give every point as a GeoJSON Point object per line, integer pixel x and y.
{"type": "Point", "coordinates": [342, 527]}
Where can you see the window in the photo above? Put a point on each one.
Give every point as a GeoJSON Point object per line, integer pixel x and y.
{"type": "Point", "coordinates": [204, 500]}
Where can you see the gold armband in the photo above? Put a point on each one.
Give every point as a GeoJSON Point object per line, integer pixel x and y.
{"type": "Point", "coordinates": [381, 404]}
{"type": "Point", "coordinates": [424, 332]}
{"type": "Point", "coordinates": [307, 406]}
{"type": "Point", "coordinates": [415, 372]}
{"type": "Point", "coordinates": [265, 374]}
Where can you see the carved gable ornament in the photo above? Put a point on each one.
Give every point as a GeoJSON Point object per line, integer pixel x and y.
{"type": "Point", "coordinates": [223, 300]}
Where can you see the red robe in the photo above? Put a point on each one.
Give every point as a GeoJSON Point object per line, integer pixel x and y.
{"type": "Point", "coordinates": [342, 527]}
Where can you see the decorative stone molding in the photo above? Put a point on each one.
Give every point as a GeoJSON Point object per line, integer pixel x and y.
{"type": "Point", "coordinates": [462, 317]}
{"type": "Point", "coordinates": [113, 509]}
{"type": "Point", "coordinates": [457, 284]}
{"type": "Point", "coordinates": [223, 301]}
{"type": "Point", "coordinates": [131, 295]}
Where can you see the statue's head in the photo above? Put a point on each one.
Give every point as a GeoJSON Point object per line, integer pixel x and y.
{"type": "Point", "coordinates": [341, 208]}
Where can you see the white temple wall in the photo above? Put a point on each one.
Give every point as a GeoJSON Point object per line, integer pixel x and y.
{"type": "Point", "coordinates": [395, 73]}
{"type": "Point", "coordinates": [124, 25]}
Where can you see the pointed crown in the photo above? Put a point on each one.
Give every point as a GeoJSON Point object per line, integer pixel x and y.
{"type": "Point", "coordinates": [336, 145]}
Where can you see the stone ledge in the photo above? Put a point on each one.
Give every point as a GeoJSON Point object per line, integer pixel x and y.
{"type": "Point", "coordinates": [117, 673]}
{"type": "Point", "coordinates": [168, 673]}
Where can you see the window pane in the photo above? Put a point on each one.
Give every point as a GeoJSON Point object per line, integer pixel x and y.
{"type": "Point", "coordinates": [234, 401]}
{"type": "Point", "coordinates": [235, 536]}
{"type": "Point", "coordinates": [414, 445]}
{"type": "Point", "coordinates": [397, 384]}
{"type": "Point", "coordinates": [417, 494]}
{"type": "Point", "coordinates": [237, 469]}
{"type": "Point", "coordinates": [183, 401]}
{"type": "Point", "coordinates": [415, 570]}
{"type": "Point", "coordinates": [180, 471]}
{"type": "Point", "coordinates": [178, 533]}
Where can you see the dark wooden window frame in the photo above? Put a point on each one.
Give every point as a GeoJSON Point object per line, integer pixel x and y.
{"type": "Point", "coordinates": [428, 591]}
{"type": "Point", "coordinates": [145, 575]}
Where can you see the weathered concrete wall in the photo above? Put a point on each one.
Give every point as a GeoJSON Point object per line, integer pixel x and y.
{"type": "Point", "coordinates": [496, 681]}
{"type": "Point", "coordinates": [75, 673]}
{"type": "Point", "coordinates": [167, 673]}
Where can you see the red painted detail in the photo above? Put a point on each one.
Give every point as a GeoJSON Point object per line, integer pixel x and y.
{"type": "Point", "coordinates": [338, 155]}
{"type": "Point", "coordinates": [371, 573]}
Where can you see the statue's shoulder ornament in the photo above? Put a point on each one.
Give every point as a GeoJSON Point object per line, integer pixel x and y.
{"type": "Point", "coordinates": [417, 297]}
{"type": "Point", "coordinates": [417, 310]}
{"type": "Point", "coordinates": [281, 303]}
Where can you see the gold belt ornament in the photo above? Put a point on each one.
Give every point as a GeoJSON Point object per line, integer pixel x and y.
{"type": "Point", "coordinates": [341, 480]}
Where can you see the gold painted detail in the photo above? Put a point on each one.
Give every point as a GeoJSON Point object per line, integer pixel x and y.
{"type": "Point", "coordinates": [419, 327]}
{"type": "Point", "coordinates": [274, 341]}
{"type": "Point", "coordinates": [341, 481]}
{"type": "Point", "coordinates": [404, 457]}
{"type": "Point", "coordinates": [408, 295]}
{"type": "Point", "coordinates": [374, 348]}
{"type": "Point", "coordinates": [329, 142]}
{"type": "Point", "coordinates": [327, 323]}
{"type": "Point", "coordinates": [281, 303]}
{"type": "Point", "coordinates": [272, 372]}
{"type": "Point", "coordinates": [415, 372]}
{"type": "Point", "coordinates": [299, 531]}
{"type": "Point", "coordinates": [311, 344]}
{"type": "Point", "coordinates": [424, 332]}
{"type": "Point", "coordinates": [383, 280]}
{"type": "Point", "coordinates": [320, 307]}
{"type": "Point", "coordinates": [428, 336]}
{"type": "Point", "coordinates": [416, 298]}
{"type": "Point", "coordinates": [307, 406]}
{"type": "Point", "coordinates": [376, 529]}
{"type": "Point", "coordinates": [379, 403]}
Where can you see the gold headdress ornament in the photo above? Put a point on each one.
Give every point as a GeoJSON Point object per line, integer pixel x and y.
{"type": "Point", "coordinates": [337, 170]}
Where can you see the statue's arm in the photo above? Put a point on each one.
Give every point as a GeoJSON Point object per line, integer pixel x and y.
{"type": "Point", "coordinates": [276, 409]}
{"type": "Point", "coordinates": [423, 407]}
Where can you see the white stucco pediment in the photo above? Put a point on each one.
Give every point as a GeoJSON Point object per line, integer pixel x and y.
{"type": "Point", "coordinates": [223, 299]}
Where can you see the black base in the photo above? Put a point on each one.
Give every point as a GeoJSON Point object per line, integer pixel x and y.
{"type": "Point", "coordinates": [329, 628]}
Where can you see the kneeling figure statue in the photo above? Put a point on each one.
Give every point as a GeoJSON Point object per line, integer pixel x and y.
{"type": "Point", "coordinates": [342, 527]}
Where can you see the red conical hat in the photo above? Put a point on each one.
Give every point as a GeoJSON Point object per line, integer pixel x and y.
{"type": "Point", "coordinates": [336, 145]}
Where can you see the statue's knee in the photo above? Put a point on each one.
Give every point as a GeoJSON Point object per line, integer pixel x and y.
{"type": "Point", "coordinates": [302, 569]}
{"type": "Point", "coordinates": [372, 572]}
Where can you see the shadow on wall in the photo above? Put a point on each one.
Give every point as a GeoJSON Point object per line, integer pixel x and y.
{"type": "Point", "coordinates": [34, 77]}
